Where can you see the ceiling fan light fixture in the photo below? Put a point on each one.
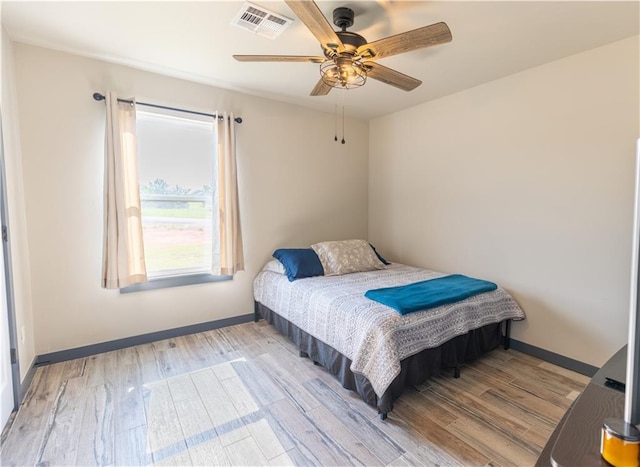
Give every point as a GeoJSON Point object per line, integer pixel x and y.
{"type": "Point", "coordinates": [344, 73]}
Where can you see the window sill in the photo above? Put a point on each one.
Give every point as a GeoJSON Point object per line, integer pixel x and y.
{"type": "Point", "coordinates": [175, 281]}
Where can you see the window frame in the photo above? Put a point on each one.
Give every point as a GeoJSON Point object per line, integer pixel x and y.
{"type": "Point", "coordinates": [178, 279]}
{"type": "Point", "coordinates": [174, 281]}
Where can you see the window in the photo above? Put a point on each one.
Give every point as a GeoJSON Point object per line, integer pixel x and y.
{"type": "Point", "coordinates": [176, 169]}
{"type": "Point", "coordinates": [192, 225]}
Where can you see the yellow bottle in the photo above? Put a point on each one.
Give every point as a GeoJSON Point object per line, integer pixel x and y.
{"type": "Point", "coordinates": [620, 443]}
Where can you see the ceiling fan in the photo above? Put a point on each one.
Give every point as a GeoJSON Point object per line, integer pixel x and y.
{"type": "Point", "coordinates": [348, 57]}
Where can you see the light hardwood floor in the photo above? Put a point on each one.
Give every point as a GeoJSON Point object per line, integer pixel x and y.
{"type": "Point", "coordinates": [242, 396]}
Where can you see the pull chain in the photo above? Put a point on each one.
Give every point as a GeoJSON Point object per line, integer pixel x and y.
{"type": "Point", "coordinates": [343, 141]}
{"type": "Point", "coordinates": [335, 113]}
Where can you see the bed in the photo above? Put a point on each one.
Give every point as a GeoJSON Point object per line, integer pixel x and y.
{"type": "Point", "coordinates": [371, 348]}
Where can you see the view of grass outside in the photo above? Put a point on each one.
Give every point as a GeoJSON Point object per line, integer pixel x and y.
{"type": "Point", "coordinates": [177, 235]}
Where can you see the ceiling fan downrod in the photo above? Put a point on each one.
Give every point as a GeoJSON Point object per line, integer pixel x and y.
{"type": "Point", "coordinates": [343, 17]}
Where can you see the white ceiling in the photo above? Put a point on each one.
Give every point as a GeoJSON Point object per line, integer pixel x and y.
{"type": "Point", "coordinates": [195, 41]}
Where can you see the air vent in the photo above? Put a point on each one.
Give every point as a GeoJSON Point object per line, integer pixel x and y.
{"type": "Point", "coordinates": [261, 21]}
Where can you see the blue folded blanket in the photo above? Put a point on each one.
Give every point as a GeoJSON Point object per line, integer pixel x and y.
{"type": "Point", "coordinates": [430, 293]}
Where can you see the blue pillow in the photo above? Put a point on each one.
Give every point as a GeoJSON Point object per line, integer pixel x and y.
{"type": "Point", "coordinates": [299, 262]}
{"type": "Point", "coordinates": [384, 261]}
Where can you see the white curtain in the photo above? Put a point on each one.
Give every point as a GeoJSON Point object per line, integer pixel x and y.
{"type": "Point", "coordinates": [229, 257]}
{"type": "Point", "coordinates": [123, 254]}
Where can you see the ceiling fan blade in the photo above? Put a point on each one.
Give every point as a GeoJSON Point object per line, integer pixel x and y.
{"type": "Point", "coordinates": [312, 17]}
{"type": "Point", "coordinates": [427, 36]}
{"type": "Point", "coordinates": [392, 77]}
{"type": "Point", "coordinates": [278, 58]}
{"type": "Point", "coordinates": [321, 89]}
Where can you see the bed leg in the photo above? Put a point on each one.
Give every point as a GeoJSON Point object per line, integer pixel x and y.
{"type": "Point", "coordinates": [303, 354]}
{"type": "Point", "coordinates": [383, 416]}
{"type": "Point", "coordinates": [456, 372]}
{"type": "Point", "coordinates": [256, 313]}
{"type": "Point", "coordinates": [507, 334]}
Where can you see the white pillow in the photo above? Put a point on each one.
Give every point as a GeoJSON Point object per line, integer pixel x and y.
{"type": "Point", "coordinates": [346, 256]}
{"type": "Point", "coordinates": [274, 266]}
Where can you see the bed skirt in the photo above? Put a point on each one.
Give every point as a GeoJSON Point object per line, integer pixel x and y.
{"type": "Point", "coordinates": [414, 370]}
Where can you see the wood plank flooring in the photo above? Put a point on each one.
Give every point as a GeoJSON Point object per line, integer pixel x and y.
{"type": "Point", "coordinates": [242, 396]}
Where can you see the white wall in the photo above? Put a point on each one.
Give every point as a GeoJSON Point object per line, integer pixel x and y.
{"type": "Point", "coordinates": [18, 232]}
{"type": "Point", "coordinates": [297, 187]}
{"type": "Point", "coordinates": [527, 181]}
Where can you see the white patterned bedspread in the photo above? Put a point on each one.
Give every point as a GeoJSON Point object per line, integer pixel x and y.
{"type": "Point", "coordinates": [373, 336]}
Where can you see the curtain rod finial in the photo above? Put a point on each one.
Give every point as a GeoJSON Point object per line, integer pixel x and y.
{"type": "Point", "coordinates": [97, 96]}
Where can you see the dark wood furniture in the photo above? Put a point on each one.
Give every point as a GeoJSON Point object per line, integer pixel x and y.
{"type": "Point", "coordinates": [576, 439]}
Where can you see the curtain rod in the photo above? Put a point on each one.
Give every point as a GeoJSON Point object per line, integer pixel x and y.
{"type": "Point", "coordinates": [99, 97]}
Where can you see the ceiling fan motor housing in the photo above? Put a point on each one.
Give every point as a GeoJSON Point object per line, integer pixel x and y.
{"type": "Point", "coordinates": [343, 18]}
